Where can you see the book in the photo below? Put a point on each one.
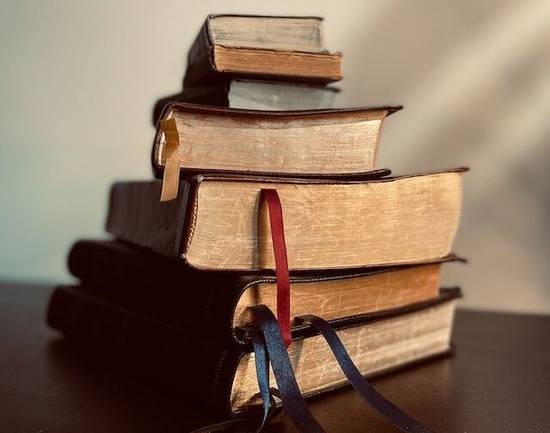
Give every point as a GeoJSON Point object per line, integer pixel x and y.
{"type": "Point", "coordinates": [250, 45]}
{"type": "Point", "coordinates": [215, 222]}
{"type": "Point", "coordinates": [162, 288]}
{"type": "Point", "coordinates": [254, 95]}
{"type": "Point", "coordinates": [197, 138]}
{"type": "Point", "coordinates": [225, 379]}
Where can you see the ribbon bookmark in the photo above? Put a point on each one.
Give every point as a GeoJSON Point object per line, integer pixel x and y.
{"type": "Point", "coordinates": [386, 408]}
{"type": "Point", "coordinates": [170, 180]}
{"type": "Point", "coordinates": [275, 210]}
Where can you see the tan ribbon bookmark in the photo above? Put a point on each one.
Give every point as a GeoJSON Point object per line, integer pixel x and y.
{"type": "Point", "coordinates": [170, 180]}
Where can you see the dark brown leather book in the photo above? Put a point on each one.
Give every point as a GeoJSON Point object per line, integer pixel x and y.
{"type": "Point", "coordinates": [225, 378]}
{"type": "Point", "coordinates": [330, 142]}
{"type": "Point", "coordinates": [254, 95]}
{"type": "Point", "coordinates": [215, 222]}
{"type": "Point", "coordinates": [261, 46]}
{"type": "Point", "coordinates": [162, 288]}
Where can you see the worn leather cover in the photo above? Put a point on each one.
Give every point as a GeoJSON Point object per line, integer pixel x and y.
{"type": "Point", "coordinates": [173, 355]}
{"type": "Point", "coordinates": [215, 95]}
{"type": "Point", "coordinates": [177, 294]}
{"type": "Point", "coordinates": [221, 110]}
{"type": "Point", "coordinates": [200, 61]}
{"type": "Point", "coordinates": [175, 217]}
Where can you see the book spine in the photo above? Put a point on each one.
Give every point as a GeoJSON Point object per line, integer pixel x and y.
{"type": "Point", "coordinates": [139, 347]}
{"type": "Point", "coordinates": [160, 225]}
{"type": "Point", "coordinates": [200, 62]}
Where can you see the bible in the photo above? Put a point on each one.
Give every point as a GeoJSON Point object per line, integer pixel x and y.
{"type": "Point", "coordinates": [225, 378]}
{"type": "Point", "coordinates": [215, 222]}
{"type": "Point", "coordinates": [162, 288]}
{"type": "Point", "coordinates": [306, 143]}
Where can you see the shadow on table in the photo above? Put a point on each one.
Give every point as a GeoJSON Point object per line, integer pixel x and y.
{"type": "Point", "coordinates": [135, 391]}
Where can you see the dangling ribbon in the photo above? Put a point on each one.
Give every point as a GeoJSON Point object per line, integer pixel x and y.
{"type": "Point", "coordinates": [275, 209]}
{"type": "Point", "coordinates": [269, 348]}
{"type": "Point", "coordinates": [290, 394]}
{"type": "Point", "coordinates": [376, 400]}
{"type": "Point", "coordinates": [262, 373]}
{"type": "Point", "coordinates": [171, 177]}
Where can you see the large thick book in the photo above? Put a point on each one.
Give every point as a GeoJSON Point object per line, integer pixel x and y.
{"type": "Point", "coordinates": [215, 223]}
{"type": "Point", "coordinates": [199, 138]}
{"type": "Point", "coordinates": [162, 288]}
{"type": "Point", "coordinates": [289, 48]}
{"type": "Point", "coordinates": [254, 95]}
{"type": "Point", "coordinates": [225, 378]}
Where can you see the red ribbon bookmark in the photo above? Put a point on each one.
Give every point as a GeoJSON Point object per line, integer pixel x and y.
{"type": "Point", "coordinates": [276, 224]}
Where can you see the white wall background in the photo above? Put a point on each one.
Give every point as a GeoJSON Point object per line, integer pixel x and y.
{"type": "Point", "coordinates": [78, 81]}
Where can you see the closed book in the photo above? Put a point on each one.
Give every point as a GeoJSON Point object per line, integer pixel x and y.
{"type": "Point", "coordinates": [162, 288]}
{"type": "Point", "coordinates": [261, 46]}
{"type": "Point", "coordinates": [225, 378]}
{"type": "Point", "coordinates": [305, 142]}
{"type": "Point", "coordinates": [254, 95]}
{"type": "Point", "coordinates": [215, 222]}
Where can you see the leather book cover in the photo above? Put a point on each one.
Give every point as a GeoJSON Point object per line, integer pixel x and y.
{"type": "Point", "coordinates": [173, 108]}
{"type": "Point", "coordinates": [160, 287]}
{"type": "Point", "coordinates": [172, 228]}
{"type": "Point", "coordinates": [214, 95]}
{"type": "Point", "coordinates": [171, 356]}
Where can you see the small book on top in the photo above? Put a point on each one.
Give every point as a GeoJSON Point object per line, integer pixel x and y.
{"type": "Point", "coordinates": [279, 47]}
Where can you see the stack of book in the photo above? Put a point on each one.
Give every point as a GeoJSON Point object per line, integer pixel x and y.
{"type": "Point", "coordinates": [364, 249]}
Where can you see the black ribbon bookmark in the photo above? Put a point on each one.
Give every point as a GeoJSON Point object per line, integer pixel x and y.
{"type": "Point", "coordinates": [376, 400]}
{"type": "Point", "coordinates": [290, 394]}
{"type": "Point", "coordinates": [269, 348]}
{"type": "Point", "coordinates": [251, 425]}
{"type": "Point", "coordinates": [262, 373]}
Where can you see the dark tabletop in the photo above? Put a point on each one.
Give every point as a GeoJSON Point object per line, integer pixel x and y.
{"type": "Point", "coordinates": [498, 380]}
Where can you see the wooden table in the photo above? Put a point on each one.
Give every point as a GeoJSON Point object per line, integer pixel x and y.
{"type": "Point", "coordinates": [498, 380]}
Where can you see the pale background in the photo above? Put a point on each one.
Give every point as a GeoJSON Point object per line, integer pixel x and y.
{"type": "Point", "coordinates": [78, 81]}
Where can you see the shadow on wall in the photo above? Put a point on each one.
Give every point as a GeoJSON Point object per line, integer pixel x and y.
{"type": "Point", "coordinates": [474, 82]}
